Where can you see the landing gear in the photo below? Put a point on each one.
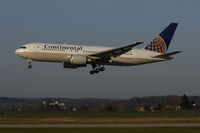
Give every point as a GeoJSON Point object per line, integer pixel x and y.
{"type": "Point", "coordinates": [97, 70]}
{"type": "Point", "coordinates": [29, 64]}
{"type": "Point", "coordinates": [94, 66]}
{"type": "Point", "coordinates": [92, 72]}
{"type": "Point", "coordinates": [102, 69]}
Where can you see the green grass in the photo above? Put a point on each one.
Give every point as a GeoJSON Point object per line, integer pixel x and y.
{"type": "Point", "coordinates": [63, 117]}
{"type": "Point", "coordinates": [36, 114]}
{"type": "Point", "coordinates": [102, 130]}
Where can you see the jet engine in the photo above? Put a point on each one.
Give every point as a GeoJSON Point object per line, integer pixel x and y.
{"type": "Point", "coordinates": [76, 61]}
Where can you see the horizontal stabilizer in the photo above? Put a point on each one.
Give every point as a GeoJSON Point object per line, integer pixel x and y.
{"type": "Point", "coordinates": [167, 54]}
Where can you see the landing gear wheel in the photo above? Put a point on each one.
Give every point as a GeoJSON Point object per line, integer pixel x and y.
{"type": "Point", "coordinates": [29, 66]}
{"type": "Point", "coordinates": [97, 70]}
{"type": "Point", "coordinates": [92, 72]}
{"type": "Point", "coordinates": [102, 69]}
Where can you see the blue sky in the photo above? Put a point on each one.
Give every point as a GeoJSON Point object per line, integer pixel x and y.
{"type": "Point", "coordinates": [104, 23]}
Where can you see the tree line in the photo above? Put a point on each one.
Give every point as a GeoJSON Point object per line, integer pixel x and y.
{"type": "Point", "coordinates": [151, 103]}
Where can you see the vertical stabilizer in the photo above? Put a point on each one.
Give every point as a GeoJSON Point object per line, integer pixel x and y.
{"type": "Point", "coordinates": [161, 42]}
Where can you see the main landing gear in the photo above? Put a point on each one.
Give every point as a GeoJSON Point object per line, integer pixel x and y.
{"type": "Point", "coordinates": [97, 70]}
{"type": "Point", "coordinates": [29, 64]}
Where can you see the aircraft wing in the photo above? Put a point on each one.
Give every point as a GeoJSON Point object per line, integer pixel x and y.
{"type": "Point", "coordinates": [167, 54]}
{"type": "Point", "coordinates": [107, 54]}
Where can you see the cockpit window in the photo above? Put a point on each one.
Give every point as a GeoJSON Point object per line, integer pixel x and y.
{"type": "Point", "coordinates": [23, 47]}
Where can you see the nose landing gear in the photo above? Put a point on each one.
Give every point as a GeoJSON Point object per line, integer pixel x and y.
{"type": "Point", "coordinates": [97, 70]}
{"type": "Point", "coordinates": [29, 64]}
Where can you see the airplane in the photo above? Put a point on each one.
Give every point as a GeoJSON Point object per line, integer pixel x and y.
{"type": "Point", "coordinates": [75, 56]}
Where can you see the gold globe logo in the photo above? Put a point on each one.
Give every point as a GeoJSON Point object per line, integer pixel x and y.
{"type": "Point", "coordinates": [158, 45]}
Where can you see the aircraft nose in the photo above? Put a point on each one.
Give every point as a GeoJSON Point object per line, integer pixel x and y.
{"type": "Point", "coordinates": [18, 51]}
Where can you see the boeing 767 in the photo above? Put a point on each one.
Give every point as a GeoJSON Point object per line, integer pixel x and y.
{"type": "Point", "coordinates": [75, 56]}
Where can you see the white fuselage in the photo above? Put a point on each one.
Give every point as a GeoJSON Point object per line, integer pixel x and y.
{"type": "Point", "coordinates": [62, 53]}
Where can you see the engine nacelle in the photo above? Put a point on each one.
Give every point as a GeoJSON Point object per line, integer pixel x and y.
{"type": "Point", "coordinates": [76, 61]}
